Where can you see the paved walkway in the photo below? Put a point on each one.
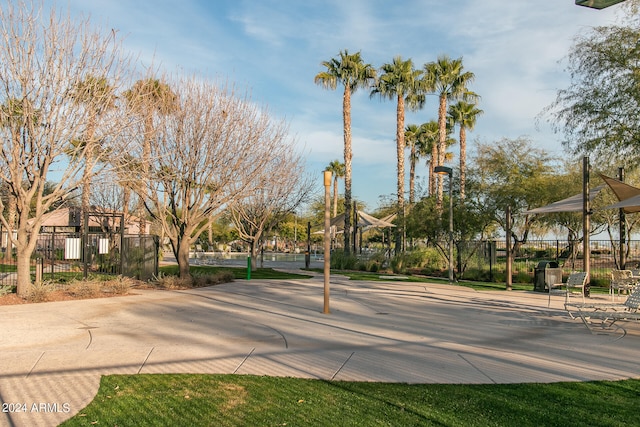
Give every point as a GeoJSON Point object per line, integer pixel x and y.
{"type": "Point", "coordinates": [53, 354]}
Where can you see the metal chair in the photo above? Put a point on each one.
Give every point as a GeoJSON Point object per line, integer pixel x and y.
{"type": "Point", "coordinates": [574, 281]}
{"type": "Point", "coordinates": [621, 280]}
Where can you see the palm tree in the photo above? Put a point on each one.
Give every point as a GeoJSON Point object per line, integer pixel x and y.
{"type": "Point", "coordinates": [337, 170]}
{"type": "Point", "coordinates": [464, 114]}
{"type": "Point", "coordinates": [400, 80]}
{"type": "Point", "coordinates": [429, 133]}
{"type": "Point", "coordinates": [352, 73]}
{"type": "Point", "coordinates": [97, 96]}
{"type": "Point", "coordinates": [146, 98]}
{"type": "Point", "coordinates": [447, 78]}
{"type": "Point", "coordinates": [410, 137]}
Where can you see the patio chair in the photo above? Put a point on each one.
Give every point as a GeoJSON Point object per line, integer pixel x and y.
{"type": "Point", "coordinates": [574, 281]}
{"type": "Point", "coordinates": [608, 314]}
{"type": "Point", "coordinates": [621, 280]}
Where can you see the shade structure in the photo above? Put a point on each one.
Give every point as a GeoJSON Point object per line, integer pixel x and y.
{"type": "Point", "coordinates": [365, 221]}
{"type": "Point", "coordinates": [630, 205]}
{"type": "Point", "coordinates": [628, 195]}
{"type": "Point", "coordinates": [597, 4]}
{"type": "Point", "coordinates": [570, 204]}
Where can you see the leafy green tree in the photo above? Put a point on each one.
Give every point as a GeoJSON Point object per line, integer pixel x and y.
{"type": "Point", "coordinates": [464, 115]}
{"type": "Point", "coordinates": [447, 78]}
{"type": "Point", "coordinates": [471, 222]}
{"type": "Point", "coordinates": [352, 73]}
{"type": "Point", "coordinates": [515, 173]}
{"type": "Point", "coordinates": [401, 81]}
{"type": "Point", "coordinates": [598, 112]}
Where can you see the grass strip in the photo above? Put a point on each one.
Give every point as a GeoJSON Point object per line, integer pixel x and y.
{"type": "Point", "coordinates": [239, 400]}
{"type": "Point", "coordinates": [238, 272]}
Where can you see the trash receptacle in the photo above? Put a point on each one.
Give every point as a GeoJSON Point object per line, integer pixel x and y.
{"type": "Point", "coordinates": [546, 272]}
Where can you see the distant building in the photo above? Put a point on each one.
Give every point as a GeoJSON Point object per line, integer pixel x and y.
{"type": "Point", "coordinates": [67, 220]}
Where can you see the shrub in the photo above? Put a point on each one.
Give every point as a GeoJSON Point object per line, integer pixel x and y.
{"type": "Point", "coordinates": [84, 289]}
{"type": "Point", "coordinates": [343, 261]}
{"type": "Point", "coordinates": [168, 281]}
{"type": "Point", "coordinates": [39, 292]}
{"type": "Point", "coordinates": [522, 277]}
{"type": "Point", "coordinates": [418, 258]}
{"type": "Point", "coordinates": [119, 286]}
{"type": "Point", "coordinates": [202, 280]}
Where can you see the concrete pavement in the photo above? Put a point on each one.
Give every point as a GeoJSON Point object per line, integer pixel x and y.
{"type": "Point", "coordinates": [53, 354]}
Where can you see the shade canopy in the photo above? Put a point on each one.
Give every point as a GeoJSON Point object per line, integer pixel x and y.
{"type": "Point", "coordinates": [570, 204]}
{"type": "Point", "coordinates": [630, 205]}
{"type": "Point", "coordinates": [365, 221]}
{"type": "Point", "coordinates": [627, 195]}
{"type": "Point", "coordinates": [597, 4]}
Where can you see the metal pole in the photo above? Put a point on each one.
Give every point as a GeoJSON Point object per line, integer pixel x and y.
{"type": "Point", "coordinates": [586, 224]}
{"type": "Point", "coordinates": [327, 239]}
{"type": "Point", "coordinates": [508, 236]}
{"type": "Point", "coordinates": [622, 224]}
{"type": "Point", "coordinates": [307, 254]}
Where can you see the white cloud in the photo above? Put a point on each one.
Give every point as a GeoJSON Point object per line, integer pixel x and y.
{"type": "Point", "coordinates": [276, 46]}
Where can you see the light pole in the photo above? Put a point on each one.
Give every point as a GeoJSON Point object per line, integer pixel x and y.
{"type": "Point", "coordinates": [327, 238]}
{"type": "Point", "coordinates": [597, 4]}
{"type": "Point", "coordinates": [445, 170]}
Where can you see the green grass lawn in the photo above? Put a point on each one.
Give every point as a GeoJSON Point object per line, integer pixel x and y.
{"type": "Point", "coordinates": [480, 286]}
{"type": "Point", "coordinates": [238, 272]}
{"type": "Point", "coordinates": [235, 400]}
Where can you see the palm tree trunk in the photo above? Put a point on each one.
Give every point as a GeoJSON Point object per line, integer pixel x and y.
{"type": "Point", "coordinates": [442, 129]}
{"type": "Point", "coordinates": [412, 175]}
{"type": "Point", "coordinates": [432, 174]}
{"type": "Point", "coordinates": [346, 119]}
{"type": "Point", "coordinates": [400, 155]}
{"type": "Point", "coordinates": [335, 196]}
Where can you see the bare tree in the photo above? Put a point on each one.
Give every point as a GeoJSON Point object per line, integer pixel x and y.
{"type": "Point", "coordinates": [278, 192]}
{"type": "Point", "coordinates": [43, 58]}
{"type": "Point", "coordinates": [211, 150]}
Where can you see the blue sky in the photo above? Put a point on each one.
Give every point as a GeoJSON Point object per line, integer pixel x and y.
{"type": "Point", "coordinates": [275, 48]}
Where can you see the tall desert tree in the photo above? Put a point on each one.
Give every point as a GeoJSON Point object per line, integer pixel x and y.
{"type": "Point", "coordinates": [449, 81]}
{"type": "Point", "coordinates": [350, 71]}
{"type": "Point", "coordinates": [598, 112]}
{"type": "Point", "coordinates": [279, 190]}
{"type": "Point", "coordinates": [96, 95]}
{"type": "Point", "coordinates": [400, 81]}
{"type": "Point", "coordinates": [515, 173]}
{"type": "Point", "coordinates": [464, 115]}
{"type": "Point", "coordinates": [43, 57]}
{"type": "Point", "coordinates": [212, 151]}
{"type": "Point", "coordinates": [337, 171]}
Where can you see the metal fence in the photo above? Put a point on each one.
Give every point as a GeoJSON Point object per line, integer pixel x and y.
{"type": "Point", "coordinates": [68, 256]}
{"type": "Point", "coordinates": [490, 256]}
